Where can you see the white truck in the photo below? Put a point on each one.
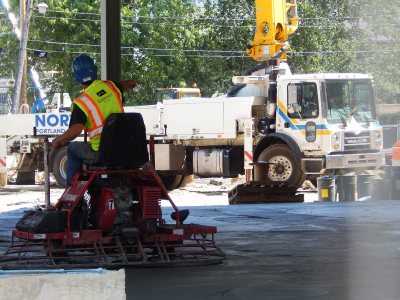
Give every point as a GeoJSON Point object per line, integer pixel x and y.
{"type": "Point", "coordinates": [304, 125]}
{"type": "Point", "coordinates": [22, 135]}
{"type": "Point", "coordinates": [301, 126]}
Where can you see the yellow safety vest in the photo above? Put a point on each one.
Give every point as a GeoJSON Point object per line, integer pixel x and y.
{"type": "Point", "coordinates": [98, 101]}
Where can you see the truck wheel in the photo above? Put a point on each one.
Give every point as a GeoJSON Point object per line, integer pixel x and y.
{"type": "Point", "coordinates": [60, 166]}
{"type": "Point", "coordinates": [283, 166]}
{"type": "Point", "coordinates": [172, 182]}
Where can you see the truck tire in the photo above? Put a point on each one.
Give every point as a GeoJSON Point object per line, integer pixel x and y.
{"type": "Point", "coordinates": [284, 167]}
{"type": "Point", "coordinates": [171, 182]}
{"type": "Point", "coordinates": [60, 166]}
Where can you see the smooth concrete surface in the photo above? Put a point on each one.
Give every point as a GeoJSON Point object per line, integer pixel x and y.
{"type": "Point", "coordinates": [328, 250]}
{"type": "Point", "coordinates": [347, 250]}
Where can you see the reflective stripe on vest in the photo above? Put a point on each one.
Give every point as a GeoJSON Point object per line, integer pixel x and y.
{"type": "Point", "coordinates": [95, 115]}
{"type": "Point", "coordinates": [116, 92]}
{"type": "Point", "coordinates": [95, 132]}
{"type": "Point", "coordinates": [98, 101]}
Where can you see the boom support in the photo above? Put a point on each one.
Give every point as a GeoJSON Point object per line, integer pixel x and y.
{"type": "Point", "coordinates": [272, 28]}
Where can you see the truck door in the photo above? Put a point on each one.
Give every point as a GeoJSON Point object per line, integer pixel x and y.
{"type": "Point", "coordinates": [300, 115]}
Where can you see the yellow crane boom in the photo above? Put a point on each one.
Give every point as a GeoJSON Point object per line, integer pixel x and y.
{"type": "Point", "coordinates": [275, 21]}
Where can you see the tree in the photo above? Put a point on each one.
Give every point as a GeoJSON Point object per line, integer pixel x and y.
{"type": "Point", "coordinates": [174, 43]}
{"type": "Point", "coordinates": [377, 35]}
{"type": "Point", "coordinates": [323, 42]}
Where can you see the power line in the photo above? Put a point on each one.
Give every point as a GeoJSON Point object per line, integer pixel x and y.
{"type": "Point", "coordinates": [139, 56]}
{"type": "Point", "coordinates": [155, 17]}
{"type": "Point", "coordinates": [73, 12]}
{"type": "Point", "coordinates": [203, 50]}
{"type": "Point", "coordinates": [188, 24]}
{"type": "Point", "coordinates": [65, 18]}
{"type": "Point", "coordinates": [206, 56]}
{"type": "Point", "coordinates": [64, 51]}
{"type": "Point", "coordinates": [64, 43]}
{"type": "Point", "coordinates": [138, 48]}
{"type": "Point", "coordinates": [191, 24]}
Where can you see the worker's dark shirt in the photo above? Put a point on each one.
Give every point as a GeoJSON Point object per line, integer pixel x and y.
{"type": "Point", "coordinates": [79, 117]}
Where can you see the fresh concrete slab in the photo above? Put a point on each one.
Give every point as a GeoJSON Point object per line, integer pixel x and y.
{"type": "Point", "coordinates": [328, 250]}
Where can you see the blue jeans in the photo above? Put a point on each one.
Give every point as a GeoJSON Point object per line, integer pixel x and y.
{"type": "Point", "coordinates": [79, 153]}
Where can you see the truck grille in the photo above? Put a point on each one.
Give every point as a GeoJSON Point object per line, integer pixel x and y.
{"type": "Point", "coordinates": [353, 142]}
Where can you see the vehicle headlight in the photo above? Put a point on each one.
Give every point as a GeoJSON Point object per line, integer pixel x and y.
{"type": "Point", "coordinates": [336, 141]}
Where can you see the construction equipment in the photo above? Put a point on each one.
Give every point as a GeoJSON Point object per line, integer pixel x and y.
{"type": "Point", "coordinates": [111, 215]}
{"type": "Point", "coordinates": [302, 125]}
{"type": "Point", "coordinates": [162, 94]}
{"type": "Point", "coordinates": [22, 134]}
{"type": "Point", "coordinates": [273, 28]}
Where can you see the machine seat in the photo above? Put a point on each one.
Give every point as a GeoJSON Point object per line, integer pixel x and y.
{"type": "Point", "coordinates": [123, 143]}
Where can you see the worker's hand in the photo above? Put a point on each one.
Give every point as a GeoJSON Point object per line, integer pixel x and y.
{"type": "Point", "coordinates": [56, 143]}
{"type": "Point", "coordinates": [128, 84]}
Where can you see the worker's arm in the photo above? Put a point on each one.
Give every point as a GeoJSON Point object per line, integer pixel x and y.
{"type": "Point", "coordinates": [72, 132]}
{"type": "Point", "coordinates": [127, 84]}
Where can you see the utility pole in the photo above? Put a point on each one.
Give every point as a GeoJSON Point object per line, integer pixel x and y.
{"type": "Point", "coordinates": [23, 97]}
{"type": "Point", "coordinates": [19, 81]}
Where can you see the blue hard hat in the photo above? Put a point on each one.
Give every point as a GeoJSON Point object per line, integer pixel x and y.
{"type": "Point", "coordinates": [84, 69]}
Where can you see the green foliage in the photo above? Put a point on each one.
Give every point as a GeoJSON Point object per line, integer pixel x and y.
{"type": "Point", "coordinates": [64, 33]}
{"type": "Point", "coordinates": [173, 43]}
{"type": "Point", "coordinates": [377, 41]}
{"type": "Point", "coordinates": [323, 42]}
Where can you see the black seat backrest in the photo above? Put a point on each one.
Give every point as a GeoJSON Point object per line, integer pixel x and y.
{"type": "Point", "coordinates": [123, 141]}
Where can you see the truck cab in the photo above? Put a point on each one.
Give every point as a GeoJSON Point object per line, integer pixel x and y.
{"type": "Point", "coordinates": [162, 94]}
{"type": "Point", "coordinates": [333, 119]}
{"type": "Point", "coordinates": [314, 124]}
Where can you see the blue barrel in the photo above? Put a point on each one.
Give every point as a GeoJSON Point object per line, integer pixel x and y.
{"type": "Point", "coordinates": [346, 188]}
{"type": "Point", "coordinates": [326, 188]}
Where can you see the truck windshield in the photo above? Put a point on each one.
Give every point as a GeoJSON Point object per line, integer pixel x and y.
{"type": "Point", "coordinates": [350, 98]}
{"type": "Point", "coordinates": [166, 95]}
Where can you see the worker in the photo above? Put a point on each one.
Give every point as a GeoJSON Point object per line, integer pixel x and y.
{"type": "Point", "coordinates": [89, 112]}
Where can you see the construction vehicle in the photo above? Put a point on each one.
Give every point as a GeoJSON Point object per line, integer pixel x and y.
{"type": "Point", "coordinates": [389, 118]}
{"type": "Point", "coordinates": [111, 216]}
{"type": "Point", "coordinates": [300, 126]}
{"type": "Point", "coordinates": [273, 126]}
{"type": "Point", "coordinates": [22, 135]}
{"type": "Point", "coordinates": [162, 94]}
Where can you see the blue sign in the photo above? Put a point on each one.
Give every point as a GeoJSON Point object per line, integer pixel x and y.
{"type": "Point", "coordinates": [51, 124]}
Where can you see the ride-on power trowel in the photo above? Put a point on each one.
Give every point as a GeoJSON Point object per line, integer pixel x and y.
{"type": "Point", "coordinates": [110, 216]}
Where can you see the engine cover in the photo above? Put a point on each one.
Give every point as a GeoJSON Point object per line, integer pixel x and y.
{"type": "Point", "coordinates": [43, 222]}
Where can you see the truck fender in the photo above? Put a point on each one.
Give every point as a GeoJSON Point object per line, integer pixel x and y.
{"type": "Point", "coordinates": [277, 138]}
